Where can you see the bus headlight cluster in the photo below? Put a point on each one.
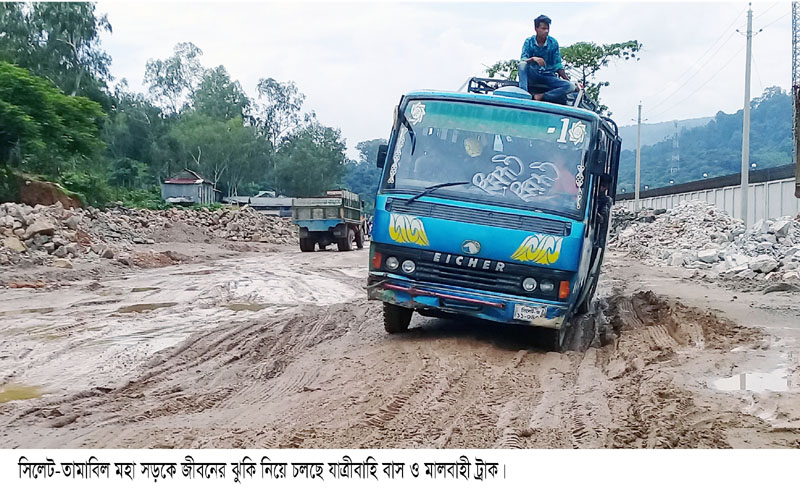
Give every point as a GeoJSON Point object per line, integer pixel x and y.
{"type": "Point", "coordinates": [529, 284]}
{"type": "Point", "coordinates": [547, 286]}
{"type": "Point", "coordinates": [392, 263]}
{"type": "Point", "coordinates": [409, 266]}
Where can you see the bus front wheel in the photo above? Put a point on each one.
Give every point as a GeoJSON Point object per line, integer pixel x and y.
{"type": "Point", "coordinates": [396, 318]}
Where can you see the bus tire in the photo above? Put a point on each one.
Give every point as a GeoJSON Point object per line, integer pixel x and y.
{"type": "Point", "coordinates": [346, 243]}
{"type": "Point", "coordinates": [583, 307]}
{"type": "Point", "coordinates": [396, 318]}
{"type": "Point", "coordinates": [307, 244]}
{"type": "Point", "coordinates": [553, 340]}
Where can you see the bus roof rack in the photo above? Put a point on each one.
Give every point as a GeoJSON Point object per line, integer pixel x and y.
{"type": "Point", "coordinates": [480, 85]}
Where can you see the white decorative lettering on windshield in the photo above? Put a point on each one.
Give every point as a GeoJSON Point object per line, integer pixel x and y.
{"type": "Point", "coordinates": [541, 180]}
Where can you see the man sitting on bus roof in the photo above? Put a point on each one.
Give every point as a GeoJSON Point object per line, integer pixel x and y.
{"type": "Point", "coordinates": [540, 64]}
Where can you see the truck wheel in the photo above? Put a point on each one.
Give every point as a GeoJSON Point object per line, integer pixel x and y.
{"type": "Point", "coordinates": [307, 244]}
{"type": "Point", "coordinates": [360, 238]}
{"type": "Point", "coordinates": [396, 318]}
{"type": "Point", "coordinates": [346, 243]}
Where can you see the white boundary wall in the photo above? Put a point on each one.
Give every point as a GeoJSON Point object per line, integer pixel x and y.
{"type": "Point", "coordinates": [766, 200]}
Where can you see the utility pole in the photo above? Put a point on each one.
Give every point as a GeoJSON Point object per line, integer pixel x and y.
{"type": "Point", "coordinates": [746, 119]}
{"type": "Point", "coordinates": [796, 92]}
{"type": "Point", "coordinates": [638, 157]}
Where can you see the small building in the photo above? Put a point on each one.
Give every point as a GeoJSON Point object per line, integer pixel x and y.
{"type": "Point", "coordinates": [187, 188]}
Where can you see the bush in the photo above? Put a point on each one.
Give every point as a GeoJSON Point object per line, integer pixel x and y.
{"type": "Point", "coordinates": [92, 189]}
{"type": "Point", "coordinates": [149, 199]}
{"type": "Point", "coordinates": [9, 185]}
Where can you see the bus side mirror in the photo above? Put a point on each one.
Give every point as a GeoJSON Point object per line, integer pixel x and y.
{"type": "Point", "coordinates": [382, 149]}
{"type": "Point", "coordinates": [598, 165]}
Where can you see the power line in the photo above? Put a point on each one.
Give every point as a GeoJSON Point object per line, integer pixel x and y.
{"type": "Point", "coordinates": [667, 98]}
{"type": "Point", "coordinates": [700, 86]}
{"type": "Point", "coordinates": [757, 75]}
{"type": "Point", "coordinates": [776, 20]}
{"type": "Point", "coordinates": [711, 46]}
{"type": "Point", "coordinates": [764, 12]}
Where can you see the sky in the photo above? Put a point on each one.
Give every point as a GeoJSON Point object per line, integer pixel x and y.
{"type": "Point", "coordinates": [353, 61]}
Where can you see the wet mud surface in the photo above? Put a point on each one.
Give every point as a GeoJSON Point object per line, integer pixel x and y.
{"type": "Point", "coordinates": [283, 350]}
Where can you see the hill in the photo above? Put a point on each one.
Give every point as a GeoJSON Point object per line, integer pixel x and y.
{"type": "Point", "coordinates": [653, 133]}
{"type": "Point", "coordinates": [715, 148]}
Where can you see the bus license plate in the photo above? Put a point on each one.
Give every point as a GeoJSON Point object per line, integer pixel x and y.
{"type": "Point", "coordinates": [528, 313]}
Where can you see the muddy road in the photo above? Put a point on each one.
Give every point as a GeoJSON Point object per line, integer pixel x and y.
{"type": "Point", "coordinates": [277, 350]}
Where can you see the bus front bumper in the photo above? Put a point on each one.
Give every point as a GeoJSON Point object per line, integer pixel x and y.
{"type": "Point", "coordinates": [500, 308]}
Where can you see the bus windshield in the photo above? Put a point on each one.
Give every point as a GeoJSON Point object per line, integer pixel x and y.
{"type": "Point", "coordinates": [506, 156]}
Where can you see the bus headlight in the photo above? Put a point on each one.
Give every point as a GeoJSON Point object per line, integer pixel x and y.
{"type": "Point", "coordinates": [529, 284]}
{"type": "Point", "coordinates": [409, 266]}
{"type": "Point", "coordinates": [547, 286]}
{"type": "Point", "coordinates": [392, 263]}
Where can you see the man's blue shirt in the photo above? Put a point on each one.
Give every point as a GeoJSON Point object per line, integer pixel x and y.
{"type": "Point", "coordinates": [549, 52]}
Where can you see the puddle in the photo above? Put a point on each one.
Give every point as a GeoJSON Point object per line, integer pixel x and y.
{"type": "Point", "coordinates": [246, 307]}
{"type": "Point", "coordinates": [12, 392]}
{"type": "Point", "coordinates": [26, 311]}
{"type": "Point", "coordinates": [143, 289]}
{"type": "Point", "coordinates": [140, 308]}
{"type": "Point", "coordinates": [777, 380]}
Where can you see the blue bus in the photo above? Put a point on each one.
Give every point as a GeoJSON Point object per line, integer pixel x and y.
{"type": "Point", "coordinates": [488, 207]}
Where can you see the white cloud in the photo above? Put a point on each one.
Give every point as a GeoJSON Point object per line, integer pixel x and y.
{"type": "Point", "coordinates": [354, 60]}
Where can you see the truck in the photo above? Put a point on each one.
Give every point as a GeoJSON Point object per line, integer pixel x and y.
{"type": "Point", "coordinates": [490, 206]}
{"type": "Point", "coordinates": [336, 217]}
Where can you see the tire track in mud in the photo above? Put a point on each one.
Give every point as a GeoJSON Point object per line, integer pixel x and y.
{"type": "Point", "coordinates": [327, 376]}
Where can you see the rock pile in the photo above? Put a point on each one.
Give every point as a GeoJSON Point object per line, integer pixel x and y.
{"type": "Point", "coordinates": [697, 235]}
{"type": "Point", "coordinates": [54, 235]}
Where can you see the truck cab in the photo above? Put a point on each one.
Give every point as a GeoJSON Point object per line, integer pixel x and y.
{"type": "Point", "coordinates": [488, 207]}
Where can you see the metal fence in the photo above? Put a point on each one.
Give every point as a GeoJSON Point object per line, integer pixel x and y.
{"type": "Point", "coordinates": [770, 195]}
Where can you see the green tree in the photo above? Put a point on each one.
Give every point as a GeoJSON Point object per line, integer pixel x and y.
{"type": "Point", "coordinates": [227, 153]}
{"type": "Point", "coordinates": [584, 59]}
{"type": "Point", "coordinates": [588, 58]}
{"type": "Point", "coordinates": [171, 79]}
{"type": "Point", "coordinates": [220, 97]}
{"type": "Point", "coordinates": [41, 128]}
{"type": "Point", "coordinates": [59, 41]}
{"type": "Point", "coordinates": [310, 161]}
{"type": "Point", "coordinates": [279, 113]}
{"type": "Point", "coordinates": [362, 176]}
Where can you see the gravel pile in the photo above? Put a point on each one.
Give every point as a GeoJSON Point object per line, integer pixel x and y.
{"type": "Point", "coordinates": [697, 235]}
{"type": "Point", "coordinates": [53, 235]}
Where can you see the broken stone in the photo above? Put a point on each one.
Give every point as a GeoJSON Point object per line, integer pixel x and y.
{"type": "Point", "coordinates": [791, 276]}
{"type": "Point", "coordinates": [763, 264]}
{"type": "Point", "coordinates": [708, 255]}
{"type": "Point", "coordinates": [14, 244]}
{"type": "Point", "coordinates": [41, 239]}
{"type": "Point", "coordinates": [780, 227]}
{"type": "Point", "coordinates": [73, 249]}
{"type": "Point", "coordinates": [62, 263]}
{"type": "Point", "coordinates": [40, 226]}
{"type": "Point", "coordinates": [72, 222]}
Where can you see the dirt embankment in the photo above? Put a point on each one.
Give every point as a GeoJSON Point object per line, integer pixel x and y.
{"type": "Point", "coordinates": [326, 375]}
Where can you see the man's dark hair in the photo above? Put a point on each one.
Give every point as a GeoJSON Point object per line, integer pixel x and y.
{"type": "Point", "coordinates": [605, 180]}
{"type": "Point", "coordinates": [540, 19]}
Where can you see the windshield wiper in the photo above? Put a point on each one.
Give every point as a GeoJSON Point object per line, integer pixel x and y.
{"type": "Point", "coordinates": [434, 187]}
